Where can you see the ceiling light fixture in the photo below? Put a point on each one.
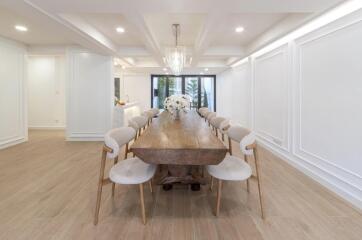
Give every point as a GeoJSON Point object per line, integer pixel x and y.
{"type": "Point", "coordinates": [239, 29]}
{"type": "Point", "coordinates": [206, 69]}
{"type": "Point", "coordinates": [175, 57]}
{"type": "Point", "coordinates": [21, 28]}
{"type": "Point", "coordinates": [120, 30]}
{"type": "Point", "coordinates": [164, 69]}
{"type": "Point", "coordinates": [201, 73]}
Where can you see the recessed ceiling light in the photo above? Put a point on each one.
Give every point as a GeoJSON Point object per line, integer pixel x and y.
{"type": "Point", "coordinates": [164, 69]}
{"type": "Point", "coordinates": [239, 29]}
{"type": "Point", "coordinates": [21, 28]}
{"type": "Point", "coordinates": [120, 30]}
{"type": "Point", "coordinates": [201, 73]}
{"type": "Point", "coordinates": [167, 73]}
{"type": "Point", "coordinates": [123, 67]}
{"type": "Point", "coordinates": [206, 69]}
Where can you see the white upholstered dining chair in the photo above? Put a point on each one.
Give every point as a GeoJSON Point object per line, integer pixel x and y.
{"type": "Point", "coordinates": [149, 114]}
{"type": "Point", "coordinates": [223, 127]}
{"type": "Point", "coordinates": [233, 168]}
{"type": "Point", "coordinates": [209, 116]}
{"type": "Point", "coordinates": [203, 110]}
{"type": "Point", "coordinates": [215, 123]}
{"type": "Point", "coordinates": [128, 171]}
{"type": "Point", "coordinates": [155, 111]}
{"type": "Point", "coordinates": [138, 123]}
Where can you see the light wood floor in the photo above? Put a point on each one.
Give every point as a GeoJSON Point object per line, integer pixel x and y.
{"type": "Point", "coordinates": [48, 189]}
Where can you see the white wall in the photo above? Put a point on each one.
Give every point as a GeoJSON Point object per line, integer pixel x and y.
{"type": "Point", "coordinates": [46, 91]}
{"type": "Point", "coordinates": [307, 103]}
{"type": "Point", "coordinates": [233, 94]}
{"type": "Point", "coordinates": [89, 95]}
{"type": "Point", "coordinates": [138, 88]}
{"type": "Point", "coordinates": [13, 117]}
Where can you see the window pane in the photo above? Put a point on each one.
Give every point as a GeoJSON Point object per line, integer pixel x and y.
{"type": "Point", "coordinates": [191, 89]}
{"type": "Point", "coordinates": [159, 91]}
{"type": "Point", "coordinates": [201, 89]}
{"type": "Point", "coordinates": [174, 86]}
{"type": "Point", "coordinates": [207, 92]}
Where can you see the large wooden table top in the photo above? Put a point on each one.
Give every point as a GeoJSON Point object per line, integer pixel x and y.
{"type": "Point", "coordinates": [188, 141]}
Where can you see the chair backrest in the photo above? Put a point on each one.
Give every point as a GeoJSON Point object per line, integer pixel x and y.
{"type": "Point", "coordinates": [248, 140]}
{"type": "Point", "coordinates": [133, 124]}
{"type": "Point", "coordinates": [155, 111]}
{"type": "Point", "coordinates": [211, 115]}
{"type": "Point", "coordinates": [203, 110]}
{"type": "Point", "coordinates": [237, 133]}
{"type": "Point", "coordinates": [140, 120]}
{"type": "Point", "coordinates": [224, 126]}
{"type": "Point", "coordinates": [216, 121]}
{"type": "Point", "coordinates": [148, 114]}
{"type": "Point", "coordinates": [116, 138]}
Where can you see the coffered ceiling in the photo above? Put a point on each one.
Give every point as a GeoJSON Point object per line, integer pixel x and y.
{"type": "Point", "coordinates": [207, 27]}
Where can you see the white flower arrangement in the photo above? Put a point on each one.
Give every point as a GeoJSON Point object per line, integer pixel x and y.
{"type": "Point", "coordinates": [175, 103]}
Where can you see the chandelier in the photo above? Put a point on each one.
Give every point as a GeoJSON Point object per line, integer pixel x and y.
{"type": "Point", "coordinates": [175, 57]}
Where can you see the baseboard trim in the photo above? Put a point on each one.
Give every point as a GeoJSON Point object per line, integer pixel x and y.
{"type": "Point", "coordinates": [46, 127]}
{"type": "Point", "coordinates": [85, 137]}
{"type": "Point", "coordinates": [347, 197]}
{"type": "Point", "coordinates": [13, 142]}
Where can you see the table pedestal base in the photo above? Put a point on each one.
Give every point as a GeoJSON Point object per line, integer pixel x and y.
{"type": "Point", "coordinates": [181, 174]}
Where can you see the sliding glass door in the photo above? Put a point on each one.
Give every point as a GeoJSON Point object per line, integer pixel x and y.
{"type": "Point", "coordinates": [200, 88]}
{"type": "Point", "coordinates": [164, 86]}
{"type": "Point", "coordinates": [192, 89]}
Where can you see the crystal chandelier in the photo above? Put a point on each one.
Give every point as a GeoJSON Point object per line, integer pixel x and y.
{"type": "Point", "coordinates": [175, 57]}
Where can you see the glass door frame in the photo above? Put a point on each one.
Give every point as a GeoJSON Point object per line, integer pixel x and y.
{"type": "Point", "coordinates": [183, 85]}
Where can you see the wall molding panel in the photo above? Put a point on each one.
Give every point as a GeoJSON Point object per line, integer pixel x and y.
{"type": "Point", "coordinates": [318, 131]}
{"type": "Point", "coordinates": [339, 39]}
{"type": "Point", "coordinates": [13, 104]}
{"type": "Point", "coordinates": [269, 70]}
{"type": "Point", "coordinates": [89, 95]}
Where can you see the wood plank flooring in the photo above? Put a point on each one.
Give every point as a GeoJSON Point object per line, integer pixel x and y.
{"type": "Point", "coordinates": [48, 191]}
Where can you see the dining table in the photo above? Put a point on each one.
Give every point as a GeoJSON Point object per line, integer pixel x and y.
{"type": "Point", "coordinates": [181, 147]}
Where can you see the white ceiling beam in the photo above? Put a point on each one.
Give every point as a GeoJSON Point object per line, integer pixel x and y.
{"type": "Point", "coordinates": [206, 35]}
{"type": "Point", "coordinates": [146, 36]}
{"type": "Point", "coordinates": [86, 35]}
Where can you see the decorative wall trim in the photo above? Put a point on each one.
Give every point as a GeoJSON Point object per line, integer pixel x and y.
{"type": "Point", "coordinates": [340, 173]}
{"type": "Point", "coordinates": [284, 142]}
{"type": "Point", "coordinates": [20, 134]}
{"type": "Point", "coordinates": [105, 121]}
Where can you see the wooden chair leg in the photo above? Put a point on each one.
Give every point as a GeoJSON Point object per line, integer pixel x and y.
{"type": "Point", "coordinates": [212, 183]}
{"type": "Point", "coordinates": [259, 184]}
{"type": "Point", "coordinates": [219, 187]}
{"type": "Point", "coordinates": [126, 151]}
{"type": "Point", "coordinates": [113, 184]}
{"type": "Point", "coordinates": [150, 184]}
{"type": "Point", "coordinates": [142, 204]}
{"type": "Point", "coordinates": [100, 186]}
{"type": "Point", "coordinates": [230, 147]}
{"type": "Point", "coordinates": [247, 180]}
